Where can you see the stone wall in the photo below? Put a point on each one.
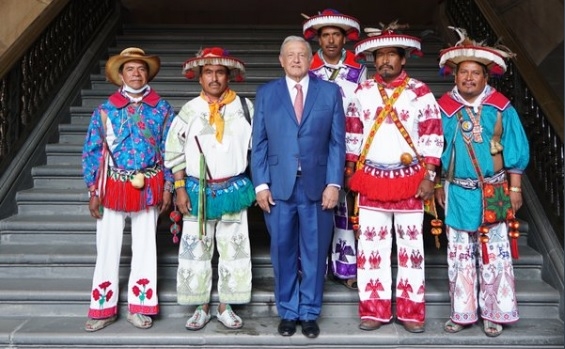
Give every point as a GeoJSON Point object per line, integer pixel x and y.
{"type": "Point", "coordinates": [266, 12]}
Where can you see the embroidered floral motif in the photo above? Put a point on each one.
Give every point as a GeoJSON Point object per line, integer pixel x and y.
{"type": "Point", "coordinates": [143, 292]}
{"type": "Point", "coordinates": [102, 294]}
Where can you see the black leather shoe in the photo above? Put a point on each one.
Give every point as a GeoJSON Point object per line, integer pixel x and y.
{"type": "Point", "coordinates": [287, 327]}
{"type": "Point", "coordinates": [310, 328]}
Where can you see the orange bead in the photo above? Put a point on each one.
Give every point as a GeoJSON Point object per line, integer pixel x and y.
{"type": "Point", "coordinates": [436, 223]}
{"type": "Point", "coordinates": [514, 234]}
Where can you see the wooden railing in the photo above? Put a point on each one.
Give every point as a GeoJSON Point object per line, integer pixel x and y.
{"type": "Point", "coordinates": [37, 66]}
{"type": "Point", "coordinates": [539, 107]}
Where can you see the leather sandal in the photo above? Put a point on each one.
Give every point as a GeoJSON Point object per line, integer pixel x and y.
{"type": "Point", "coordinates": [140, 320]}
{"type": "Point", "coordinates": [413, 327]}
{"type": "Point", "coordinates": [350, 283]}
{"type": "Point", "coordinates": [492, 329]}
{"type": "Point", "coordinates": [229, 318]}
{"type": "Point", "coordinates": [453, 327]}
{"type": "Point", "coordinates": [198, 320]}
{"type": "Point", "coordinates": [93, 325]}
{"type": "Point", "coordinates": [370, 325]}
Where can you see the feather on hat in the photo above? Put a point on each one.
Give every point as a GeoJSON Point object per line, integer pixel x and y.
{"type": "Point", "coordinates": [470, 50]}
{"type": "Point", "coordinates": [331, 18]}
{"type": "Point", "coordinates": [387, 36]}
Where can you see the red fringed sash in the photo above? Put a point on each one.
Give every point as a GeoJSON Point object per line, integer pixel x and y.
{"type": "Point", "coordinates": [385, 188]}
{"type": "Point", "coordinates": [122, 196]}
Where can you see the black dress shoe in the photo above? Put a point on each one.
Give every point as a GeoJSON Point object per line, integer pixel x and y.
{"type": "Point", "coordinates": [287, 327]}
{"type": "Point", "coordinates": [310, 328]}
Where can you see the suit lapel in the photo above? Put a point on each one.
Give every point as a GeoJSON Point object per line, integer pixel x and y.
{"type": "Point", "coordinates": [311, 96]}
{"type": "Point", "coordinates": [285, 98]}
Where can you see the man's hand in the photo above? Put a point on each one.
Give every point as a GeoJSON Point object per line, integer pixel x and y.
{"type": "Point", "coordinates": [516, 200]}
{"type": "Point", "coordinates": [183, 201]}
{"type": "Point", "coordinates": [167, 201]}
{"type": "Point", "coordinates": [330, 197]}
{"type": "Point", "coordinates": [265, 200]}
{"type": "Point", "coordinates": [425, 189]}
{"type": "Point", "coordinates": [440, 196]}
{"type": "Point", "coordinates": [94, 207]}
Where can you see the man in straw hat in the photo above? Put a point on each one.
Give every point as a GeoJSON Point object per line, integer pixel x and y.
{"type": "Point", "coordinates": [332, 62]}
{"type": "Point", "coordinates": [486, 148]}
{"type": "Point", "coordinates": [393, 146]}
{"type": "Point", "coordinates": [297, 164]}
{"type": "Point", "coordinates": [123, 169]}
{"type": "Point", "coordinates": [207, 149]}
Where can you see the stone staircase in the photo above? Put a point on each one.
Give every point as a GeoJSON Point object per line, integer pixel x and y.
{"type": "Point", "coordinates": [47, 249]}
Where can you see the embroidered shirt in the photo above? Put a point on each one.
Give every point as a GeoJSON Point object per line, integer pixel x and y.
{"type": "Point", "coordinates": [350, 73]}
{"type": "Point", "coordinates": [416, 108]}
{"type": "Point", "coordinates": [464, 209]}
{"type": "Point", "coordinates": [131, 146]}
{"type": "Point", "coordinates": [224, 160]}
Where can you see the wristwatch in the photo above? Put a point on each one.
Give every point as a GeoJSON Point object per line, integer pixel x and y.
{"type": "Point", "coordinates": [431, 175]}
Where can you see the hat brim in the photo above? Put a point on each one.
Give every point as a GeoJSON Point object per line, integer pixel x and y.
{"type": "Point", "coordinates": [349, 24]}
{"type": "Point", "coordinates": [235, 66]}
{"type": "Point", "coordinates": [486, 56]}
{"type": "Point", "coordinates": [371, 44]}
{"type": "Point", "coordinates": [115, 62]}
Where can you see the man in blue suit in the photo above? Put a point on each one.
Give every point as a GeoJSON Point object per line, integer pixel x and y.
{"type": "Point", "coordinates": [297, 167]}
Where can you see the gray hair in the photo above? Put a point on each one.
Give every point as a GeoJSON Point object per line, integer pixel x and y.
{"type": "Point", "coordinates": [292, 38]}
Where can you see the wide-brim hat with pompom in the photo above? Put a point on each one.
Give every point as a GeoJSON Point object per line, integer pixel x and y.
{"type": "Point", "coordinates": [114, 64]}
{"type": "Point", "coordinates": [331, 18]}
{"type": "Point", "coordinates": [388, 37]}
{"type": "Point", "coordinates": [469, 50]}
{"type": "Point", "coordinates": [214, 56]}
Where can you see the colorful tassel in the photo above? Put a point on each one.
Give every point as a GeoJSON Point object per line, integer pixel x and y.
{"type": "Point", "coordinates": [514, 234]}
{"type": "Point", "coordinates": [483, 230]}
{"type": "Point", "coordinates": [175, 217]}
{"type": "Point", "coordinates": [436, 230]}
{"type": "Point", "coordinates": [445, 70]}
{"type": "Point", "coordinates": [190, 74]}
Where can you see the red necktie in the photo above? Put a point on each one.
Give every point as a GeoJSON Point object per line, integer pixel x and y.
{"type": "Point", "coordinates": [298, 102]}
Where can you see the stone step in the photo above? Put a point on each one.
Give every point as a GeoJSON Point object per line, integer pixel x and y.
{"type": "Point", "coordinates": [41, 256]}
{"type": "Point", "coordinates": [261, 332]}
{"type": "Point", "coordinates": [165, 82]}
{"type": "Point", "coordinates": [186, 91]}
{"type": "Point", "coordinates": [36, 296]}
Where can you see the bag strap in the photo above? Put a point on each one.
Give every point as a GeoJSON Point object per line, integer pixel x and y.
{"type": "Point", "coordinates": [389, 102]}
{"type": "Point", "coordinates": [398, 123]}
{"type": "Point", "coordinates": [245, 108]}
{"type": "Point", "coordinates": [472, 154]}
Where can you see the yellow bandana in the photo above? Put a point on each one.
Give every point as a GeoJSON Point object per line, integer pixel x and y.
{"type": "Point", "coordinates": [215, 117]}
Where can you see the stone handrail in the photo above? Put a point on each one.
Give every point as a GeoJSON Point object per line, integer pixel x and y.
{"type": "Point", "coordinates": [33, 31]}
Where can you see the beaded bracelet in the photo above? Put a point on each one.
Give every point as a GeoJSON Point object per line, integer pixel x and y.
{"type": "Point", "coordinates": [179, 183]}
{"type": "Point", "coordinates": [515, 189]}
{"type": "Point", "coordinates": [169, 187]}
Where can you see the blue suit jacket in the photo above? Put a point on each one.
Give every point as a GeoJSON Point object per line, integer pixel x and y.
{"type": "Point", "coordinates": [280, 143]}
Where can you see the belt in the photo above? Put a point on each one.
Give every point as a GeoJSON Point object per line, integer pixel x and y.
{"type": "Point", "coordinates": [469, 183]}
